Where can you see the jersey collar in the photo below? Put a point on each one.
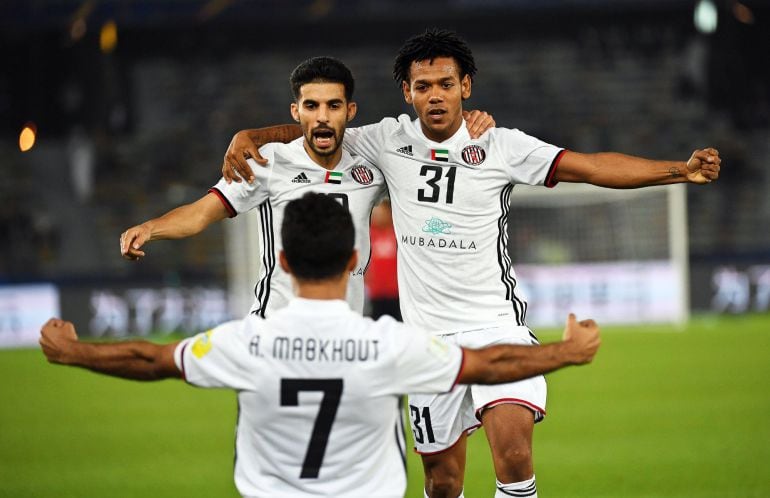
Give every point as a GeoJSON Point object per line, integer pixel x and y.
{"type": "Point", "coordinates": [460, 136]}
{"type": "Point", "coordinates": [318, 306]}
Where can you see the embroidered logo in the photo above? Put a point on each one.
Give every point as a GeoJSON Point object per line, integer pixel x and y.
{"type": "Point", "coordinates": [362, 175]}
{"type": "Point", "coordinates": [474, 155]}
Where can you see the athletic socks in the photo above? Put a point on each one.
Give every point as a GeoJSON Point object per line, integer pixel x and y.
{"type": "Point", "coordinates": [523, 489]}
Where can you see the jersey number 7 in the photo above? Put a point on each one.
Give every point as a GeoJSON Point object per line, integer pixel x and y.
{"type": "Point", "coordinates": [332, 392]}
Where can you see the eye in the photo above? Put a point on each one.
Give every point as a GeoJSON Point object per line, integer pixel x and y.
{"type": "Point", "coordinates": [448, 84]}
{"type": "Point", "coordinates": [420, 88]}
{"type": "Point", "coordinates": [336, 105]}
{"type": "Point", "coordinates": [310, 105]}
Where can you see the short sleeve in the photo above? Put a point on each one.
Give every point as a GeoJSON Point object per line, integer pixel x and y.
{"type": "Point", "coordinates": [244, 196]}
{"type": "Point", "coordinates": [216, 358]}
{"type": "Point", "coordinates": [527, 160]}
{"type": "Point", "coordinates": [423, 363]}
{"type": "Point", "coordinates": [368, 141]}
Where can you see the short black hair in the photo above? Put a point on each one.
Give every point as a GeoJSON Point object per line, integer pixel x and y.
{"type": "Point", "coordinates": [322, 70]}
{"type": "Point", "coordinates": [429, 45]}
{"type": "Point", "coordinates": [318, 236]}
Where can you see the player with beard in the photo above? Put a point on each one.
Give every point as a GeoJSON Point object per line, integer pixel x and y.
{"type": "Point", "coordinates": [450, 196]}
{"type": "Point", "coordinates": [323, 90]}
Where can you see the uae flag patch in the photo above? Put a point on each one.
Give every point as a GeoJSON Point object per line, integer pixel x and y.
{"type": "Point", "coordinates": [440, 155]}
{"type": "Point", "coordinates": [333, 177]}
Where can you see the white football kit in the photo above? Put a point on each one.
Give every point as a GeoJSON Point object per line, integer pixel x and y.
{"type": "Point", "coordinates": [450, 203]}
{"type": "Point", "coordinates": [319, 391]}
{"type": "Point", "coordinates": [289, 174]}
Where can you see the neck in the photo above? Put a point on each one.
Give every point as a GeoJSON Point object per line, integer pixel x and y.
{"type": "Point", "coordinates": [326, 162]}
{"type": "Point", "coordinates": [327, 289]}
{"type": "Point", "coordinates": [440, 136]}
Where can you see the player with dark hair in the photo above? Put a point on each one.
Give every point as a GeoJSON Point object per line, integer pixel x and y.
{"type": "Point", "coordinates": [319, 386]}
{"type": "Point", "coordinates": [450, 197]}
{"type": "Point", "coordinates": [322, 88]}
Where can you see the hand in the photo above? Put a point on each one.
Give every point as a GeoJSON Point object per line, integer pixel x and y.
{"type": "Point", "coordinates": [234, 166]}
{"type": "Point", "coordinates": [582, 338]}
{"type": "Point", "coordinates": [57, 338]}
{"type": "Point", "coordinates": [132, 239]}
{"type": "Point", "coordinates": [703, 166]}
{"type": "Point", "coordinates": [478, 122]}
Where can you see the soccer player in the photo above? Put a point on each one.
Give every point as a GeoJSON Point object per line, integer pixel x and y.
{"type": "Point", "coordinates": [323, 90]}
{"type": "Point", "coordinates": [450, 198]}
{"type": "Point", "coordinates": [318, 384]}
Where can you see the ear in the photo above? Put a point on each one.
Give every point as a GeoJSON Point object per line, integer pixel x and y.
{"type": "Point", "coordinates": [352, 109]}
{"type": "Point", "coordinates": [284, 262]}
{"type": "Point", "coordinates": [353, 261]}
{"type": "Point", "coordinates": [295, 111]}
{"type": "Point", "coordinates": [465, 86]}
{"type": "Point", "coordinates": [407, 92]}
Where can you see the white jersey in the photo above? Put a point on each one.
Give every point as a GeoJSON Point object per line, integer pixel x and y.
{"type": "Point", "coordinates": [290, 174]}
{"type": "Point", "coordinates": [319, 391]}
{"type": "Point", "coordinates": [450, 205]}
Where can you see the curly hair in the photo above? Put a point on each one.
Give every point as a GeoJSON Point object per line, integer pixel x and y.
{"type": "Point", "coordinates": [430, 45]}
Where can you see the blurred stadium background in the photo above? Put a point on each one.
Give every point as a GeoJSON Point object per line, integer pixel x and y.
{"type": "Point", "coordinates": [114, 111]}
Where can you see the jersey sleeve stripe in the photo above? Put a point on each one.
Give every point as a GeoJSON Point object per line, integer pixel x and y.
{"type": "Point", "coordinates": [550, 181]}
{"type": "Point", "coordinates": [230, 209]}
{"type": "Point", "coordinates": [262, 289]}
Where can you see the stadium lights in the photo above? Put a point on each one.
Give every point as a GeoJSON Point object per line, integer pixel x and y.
{"type": "Point", "coordinates": [108, 37]}
{"type": "Point", "coordinates": [27, 137]}
{"type": "Point", "coordinates": [706, 17]}
{"type": "Point", "coordinates": [742, 13]}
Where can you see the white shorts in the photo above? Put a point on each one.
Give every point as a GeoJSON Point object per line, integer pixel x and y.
{"type": "Point", "coordinates": [438, 420]}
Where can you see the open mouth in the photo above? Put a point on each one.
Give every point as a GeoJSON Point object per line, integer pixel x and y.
{"type": "Point", "coordinates": [324, 137]}
{"type": "Point", "coordinates": [436, 114]}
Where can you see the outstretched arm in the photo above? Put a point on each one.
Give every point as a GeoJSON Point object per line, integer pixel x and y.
{"type": "Point", "coordinates": [509, 363]}
{"type": "Point", "coordinates": [610, 169]}
{"type": "Point", "coordinates": [138, 360]}
{"type": "Point", "coordinates": [246, 143]}
{"type": "Point", "coordinates": [178, 223]}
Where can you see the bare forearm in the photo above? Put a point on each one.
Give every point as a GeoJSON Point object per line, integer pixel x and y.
{"type": "Point", "coordinates": [177, 224]}
{"type": "Point", "coordinates": [187, 220]}
{"type": "Point", "coordinates": [614, 170]}
{"type": "Point", "coordinates": [510, 363]}
{"type": "Point", "coordinates": [280, 133]}
{"type": "Point", "coordinates": [138, 360]}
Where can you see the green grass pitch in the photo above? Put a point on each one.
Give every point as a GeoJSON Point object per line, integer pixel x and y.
{"type": "Point", "coordinates": [660, 413]}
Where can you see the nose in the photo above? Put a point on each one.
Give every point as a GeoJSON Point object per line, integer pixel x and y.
{"type": "Point", "coordinates": [435, 95]}
{"type": "Point", "coordinates": [323, 114]}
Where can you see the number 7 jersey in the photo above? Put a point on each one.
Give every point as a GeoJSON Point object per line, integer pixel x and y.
{"type": "Point", "coordinates": [450, 203]}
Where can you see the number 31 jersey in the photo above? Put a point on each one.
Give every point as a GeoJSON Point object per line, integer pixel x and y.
{"type": "Point", "coordinates": [450, 205]}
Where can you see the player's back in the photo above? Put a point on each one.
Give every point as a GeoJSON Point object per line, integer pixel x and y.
{"type": "Point", "coordinates": [319, 389]}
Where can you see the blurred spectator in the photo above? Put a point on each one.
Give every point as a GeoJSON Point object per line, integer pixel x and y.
{"type": "Point", "coordinates": [381, 281]}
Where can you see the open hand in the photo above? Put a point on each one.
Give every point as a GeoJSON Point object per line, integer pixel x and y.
{"type": "Point", "coordinates": [234, 166]}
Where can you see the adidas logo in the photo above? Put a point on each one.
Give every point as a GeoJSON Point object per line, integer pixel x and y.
{"type": "Point", "coordinates": [301, 178]}
{"type": "Point", "coordinates": [407, 150]}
